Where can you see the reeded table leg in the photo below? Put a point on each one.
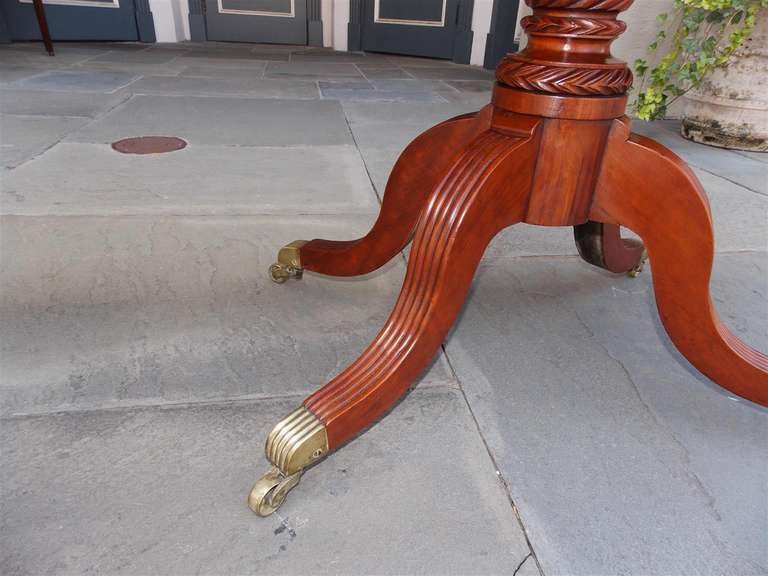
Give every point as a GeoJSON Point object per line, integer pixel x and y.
{"type": "Point", "coordinates": [484, 191]}
{"type": "Point", "coordinates": [650, 190]}
{"type": "Point", "coordinates": [602, 245]}
{"type": "Point", "coordinates": [418, 170]}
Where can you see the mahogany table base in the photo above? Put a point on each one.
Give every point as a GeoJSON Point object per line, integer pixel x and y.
{"type": "Point", "coordinates": [546, 152]}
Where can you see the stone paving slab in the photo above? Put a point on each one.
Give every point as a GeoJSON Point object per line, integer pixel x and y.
{"type": "Point", "coordinates": [150, 491]}
{"type": "Point", "coordinates": [223, 121]}
{"type": "Point", "coordinates": [319, 70]}
{"type": "Point", "coordinates": [170, 68]}
{"type": "Point", "coordinates": [470, 100]}
{"type": "Point", "coordinates": [77, 81]}
{"type": "Point", "coordinates": [379, 162]}
{"type": "Point", "coordinates": [420, 114]}
{"type": "Point", "coordinates": [41, 103]}
{"type": "Point", "coordinates": [234, 56]}
{"type": "Point", "coordinates": [739, 215]}
{"type": "Point", "coordinates": [199, 179]}
{"type": "Point", "coordinates": [741, 169]}
{"type": "Point", "coordinates": [450, 73]}
{"type": "Point", "coordinates": [419, 62]}
{"type": "Point", "coordinates": [34, 54]}
{"type": "Point", "coordinates": [484, 86]}
{"type": "Point", "coordinates": [117, 311]}
{"type": "Point", "coordinates": [383, 72]}
{"type": "Point", "coordinates": [10, 73]}
{"type": "Point", "coordinates": [207, 71]}
{"type": "Point", "coordinates": [367, 59]}
{"type": "Point", "coordinates": [247, 65]}
{"type": "Point", "coordinates": [134, 56]}
{"type": "Point", "coordinates": [103, 47]}
{"type": "Point", "coordinates": [367, 95]}
{"type": "Point", "coordinates": [395, 134]}
{"type": "Point", "coordinates": [223, 86]}
{"type": "Point", "coordinates": [24, 137]}
{"type": "Point", "coordinates": [409, 85]}
{"type": "Point", "coordinates": [620, 457]}
{"type": "Point", "coordinates": [759, 156]}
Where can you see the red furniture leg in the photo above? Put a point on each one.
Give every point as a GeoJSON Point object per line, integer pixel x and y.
{"type": "Point", "coordinates": [495, 170]}
{"type": "Point", "coordinates": [417, 171]}
{"type": "Point", "coordinates": [42, 23]}
{"type": "Point", "coordinates": [651, 191]}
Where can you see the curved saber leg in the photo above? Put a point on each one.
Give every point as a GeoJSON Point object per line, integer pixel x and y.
{"type": "Point", "coordinates": [484, 191]}
{"type": "Point", "coordinates": [416, 173]}
{"type": "Point", "coordinates": [651, 191]}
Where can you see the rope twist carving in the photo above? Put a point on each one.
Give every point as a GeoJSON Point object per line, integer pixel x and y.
{"type": "Point", "coordinates": [584, 27]}
{"type": "Point", "coordinates": [604, 5]}
{"type": "Point", "coordinates": [557, 80]}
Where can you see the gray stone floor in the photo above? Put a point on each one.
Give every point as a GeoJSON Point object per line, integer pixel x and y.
{"type": "Point", "coordinates": [145, 354]}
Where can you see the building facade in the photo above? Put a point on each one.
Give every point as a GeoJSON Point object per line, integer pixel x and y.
{"type": "Point", "coordinates": [465, 31]}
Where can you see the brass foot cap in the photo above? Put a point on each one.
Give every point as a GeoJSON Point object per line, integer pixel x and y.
{"type": "Point", "coordinates": [288, 263]}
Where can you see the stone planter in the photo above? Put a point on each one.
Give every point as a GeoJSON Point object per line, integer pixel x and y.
{"type": "Point", "coordinates": [730, 109]}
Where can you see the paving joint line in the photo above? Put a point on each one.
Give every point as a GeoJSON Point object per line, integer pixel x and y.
{"type": "Point", "coordinates": [379, 197]}
{"type": "Point", "coordinates": [715, 174]}
{"type": "Point", "coordinates": [182, 404]}
{"type": "Point", "coordinates": [63, 136]}
{"type": "Point", "coordinates": [505, 484]}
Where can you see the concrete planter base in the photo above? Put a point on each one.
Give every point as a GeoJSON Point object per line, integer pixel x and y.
{"type": "Point", "coordinates": [730, 110]}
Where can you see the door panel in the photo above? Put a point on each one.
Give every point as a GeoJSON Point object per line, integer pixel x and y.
{"type": "Point", "coordinates": [276, 21]}
{"type": "Point", "coordinates": [426, 11]}
{"type": "Point", "coordinates": [501, 38]}
{"type": "Point", "coordinates": [73, 19]}
{"type": "Point", "coordinates": [422, 28]}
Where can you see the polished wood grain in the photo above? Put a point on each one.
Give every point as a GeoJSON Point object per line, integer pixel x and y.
{"type": "Point", "coordinates": [557, 105]}
{"type": "Point", "coordinates": [417, 171]}
{"type": "Point", "coordinates": [647, 188]}
{"type": "Point", "coordinates": [566, 170]}
{"type": "Point", "coordinates": [552, 149]}
{"type": "Point", "coordinates": [484, 191]}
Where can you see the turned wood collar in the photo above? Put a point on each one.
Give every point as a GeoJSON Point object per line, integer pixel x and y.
{"type": "Point", "coordinates": [568, 51]}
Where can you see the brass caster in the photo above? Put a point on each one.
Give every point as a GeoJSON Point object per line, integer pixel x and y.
{"type": "Point", "coordinates": [288, 263]}
{"type": "Point", "coordinates": [635, 272]}
{"type": "Point", "coordinates": [296, 442]}
{"type": "Point", "coordinates": [280, 273]}
{"type": "Point", "coordinates": [269, 493]}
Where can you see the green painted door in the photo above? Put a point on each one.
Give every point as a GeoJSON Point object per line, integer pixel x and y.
{"type": "Point", "coordinates": [414, 27]}
{"type": "Point", "coordinates": [73, 19]}
{"type": "Point", "coordinates": [271, 21]}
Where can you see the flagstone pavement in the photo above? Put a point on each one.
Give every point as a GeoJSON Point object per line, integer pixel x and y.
{"type": "Point", "coordinates": [145, 353]}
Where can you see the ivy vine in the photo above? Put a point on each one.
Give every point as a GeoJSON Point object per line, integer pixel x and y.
{"type": "Point", "coordinates": [697, 37]}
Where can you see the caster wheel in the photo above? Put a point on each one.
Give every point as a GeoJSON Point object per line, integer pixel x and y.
{"type": "Point", "coordinates": [635, 272]}
{"type": "Point", "coordinates": [269, 493]}
{"type": "Point", "coordinates": [278, 273]}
